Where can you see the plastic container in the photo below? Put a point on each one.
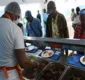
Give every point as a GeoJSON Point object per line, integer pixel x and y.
{"type": "Point", "coordinates": [52, 71]}
{"type": "Point", "coordinates": [74, 73]}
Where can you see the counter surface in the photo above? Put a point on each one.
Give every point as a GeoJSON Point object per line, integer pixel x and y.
{"type": "Point", "coordinates": [65, 41]}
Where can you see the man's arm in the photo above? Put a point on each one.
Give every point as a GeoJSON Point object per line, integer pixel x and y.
{"type": "Point", "coordinates": [48, 26]}
{"type": "Point", "coordinates": [23, 60]}
{"type": "Point", "coordinates": [19, 49]}
{"type": "Point", "coordinates": [66, 32]}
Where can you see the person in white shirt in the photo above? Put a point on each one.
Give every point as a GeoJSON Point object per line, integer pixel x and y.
{"type": "Point", "coordinates": [73, 15]}
{"type": "Point", "coordinates": [45, 16]}
{"type": "Point", "coordinates": [76, 18]}
{"type": "Point", "coordinates": [12, 45]}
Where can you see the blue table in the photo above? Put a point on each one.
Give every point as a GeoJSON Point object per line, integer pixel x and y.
{"type": "Point", "coordinates": [75, 60]}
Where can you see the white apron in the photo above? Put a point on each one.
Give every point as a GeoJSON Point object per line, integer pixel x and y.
{"type": "Point", "coordinates": [13, 75]}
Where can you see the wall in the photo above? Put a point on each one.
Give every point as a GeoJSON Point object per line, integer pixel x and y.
{"type": "Point", "coordinates": [5, 2]}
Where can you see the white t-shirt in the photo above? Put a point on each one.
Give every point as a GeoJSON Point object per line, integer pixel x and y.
{"type": "Point", "coordinates": [11, 38]}
{"type": "Point", "coordinates": [76, 19]}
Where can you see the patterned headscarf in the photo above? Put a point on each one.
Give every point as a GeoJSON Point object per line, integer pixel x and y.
{"type": "Point", "coordinates": [82, 12]}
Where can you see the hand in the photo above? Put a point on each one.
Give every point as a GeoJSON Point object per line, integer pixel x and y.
{"type": "Point", "coordinates": [33, 61]}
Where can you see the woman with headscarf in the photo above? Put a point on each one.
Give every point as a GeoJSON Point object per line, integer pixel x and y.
{"type": "Point", "coordinates": [80, 28]}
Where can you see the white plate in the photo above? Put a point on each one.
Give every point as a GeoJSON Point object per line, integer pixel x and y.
{"type": "Point", "coordinates": [29, 48]}
{"type": "Point", "coordinates": [47, 53]}
{"type": "Point", "coordinates": [81, 60]}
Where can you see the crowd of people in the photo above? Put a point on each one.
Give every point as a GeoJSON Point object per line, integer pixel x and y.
{"type": "Point", "coordinates": [12, 52]}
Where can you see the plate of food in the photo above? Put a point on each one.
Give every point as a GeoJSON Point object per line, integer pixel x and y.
{"type": "Point", "coordinates": [82, 60]}
{"type": "Point", "coordinates": [47, 53]}
{"type": "Point", "coordinates": [29, 48]}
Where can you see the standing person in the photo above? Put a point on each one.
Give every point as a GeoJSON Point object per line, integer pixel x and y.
{"type": "Point", "coordinates": [39, 16]}
{"type": "Point", "coordinates": [80, 28]}
{"type": "Point", "coordinates": [33, 26]}
{"type": "Point", "coordinates": [12, 45]}
{"type": "Point", "coordinates": [56, 26]}
{"type": "Point", "coordinates": [45, 16]}
{"type": "Point", "coordinates": [21, 26]}
{"type": "Point", "coordinates": [73, 15]}
{"type": "Point", "coordinates": [77, 17]}
{"type": "Point", "coordinates": [56, 23]}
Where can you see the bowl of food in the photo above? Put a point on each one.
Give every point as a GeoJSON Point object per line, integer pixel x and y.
{"type": "Point", "coordinates": [47, 53]}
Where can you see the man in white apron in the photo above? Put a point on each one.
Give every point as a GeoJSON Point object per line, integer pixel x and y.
{"type": "Point", "coordinates": [12, 45]}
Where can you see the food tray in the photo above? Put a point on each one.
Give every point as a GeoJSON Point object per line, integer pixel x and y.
{"type": "Point", "coordinates": [31, 73]}
{"type": "Point", "coordinates": [52, 71]}
{"type": "Point", "coordinates": [74, 73]}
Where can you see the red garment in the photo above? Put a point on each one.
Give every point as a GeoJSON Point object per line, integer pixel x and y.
{"type": "Point", "coordinates": [82, 36]}
{"type": "Point", "coordinates": [77, 33]}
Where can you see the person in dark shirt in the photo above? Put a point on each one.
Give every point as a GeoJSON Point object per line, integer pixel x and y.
{"type": "Point", "coordinates": [21, 26]}
{"type": "Point", "coordinates": [39, 16]}
{"type": "Point", "coordinates": [56, 25]}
